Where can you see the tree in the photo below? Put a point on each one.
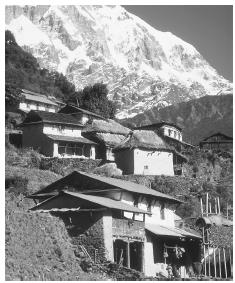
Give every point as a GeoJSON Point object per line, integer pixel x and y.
{"type": "Point", "coordinates": [94, 98]}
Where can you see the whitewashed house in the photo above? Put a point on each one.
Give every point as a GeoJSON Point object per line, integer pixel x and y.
{"type": "Point", "coordinates": [124, 222]}
{"type": "Point", "coordinates": [144, 153]}
{"type": "Point", "coordinates": [167, 129]}
{"type": "Point", "coordinates": [56, 135]}
{"type": "Point", "coordinates": [35, 101]}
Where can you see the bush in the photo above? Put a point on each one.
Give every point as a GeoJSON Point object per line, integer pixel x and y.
{"type": "Point", "coordinates": [17, 185]}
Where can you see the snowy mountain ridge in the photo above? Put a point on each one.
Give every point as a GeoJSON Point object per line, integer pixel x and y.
{"type": "Point", "coordinates": [142, 66]}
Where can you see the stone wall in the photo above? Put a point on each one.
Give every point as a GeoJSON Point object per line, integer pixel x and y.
{"type": "Point", "coordinates": [86, 228]}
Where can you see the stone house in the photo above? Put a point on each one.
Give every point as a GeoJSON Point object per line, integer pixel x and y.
{"type": "Point", "coordinates": [144, 152]}
{"type": "Point", "coordinates": [36, 101]}
{"type": "Point", "coordinates": [56, 135]}
{"type": "Point", "coordinates": [217, 141]}
{"type": "Point", "coordinates": [171, 133]}
{"type": "Point", "coordinates": [107, 134]}
{"type": "Point", "coordinates": [120, 221]}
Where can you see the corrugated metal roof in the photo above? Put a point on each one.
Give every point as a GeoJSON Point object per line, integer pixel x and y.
{"type": "Point", "coordinates": [102, 182]}
{"type": "Point", "coordinates": [70, 139]}
{"type": "Point", "coordinates": [170, 231]}
{"type": "Point", "coordinates": [51, 205]}
{"type": "Point", "coordinates": [33, 96]}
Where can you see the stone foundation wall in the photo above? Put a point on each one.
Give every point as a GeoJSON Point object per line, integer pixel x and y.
{"type": "Point", "coordinates": [86, 228]}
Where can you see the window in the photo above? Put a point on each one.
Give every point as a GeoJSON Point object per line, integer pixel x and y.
{"type": "Point", "coordinates": [162, 211]}
{"type": "Point", "coordinates": [169, 132]}
{"type": "Point", "coordinates": [175, 134]}
{"type": "Point", "coordinates": [146, 167]}
{"type": "Point", "coordinates": [149, 207]}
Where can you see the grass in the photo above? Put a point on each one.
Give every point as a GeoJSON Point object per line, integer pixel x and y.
{"type": "Point", "coordinates": [37, 244]}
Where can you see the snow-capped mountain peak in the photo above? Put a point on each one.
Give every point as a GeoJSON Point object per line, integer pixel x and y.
{"type": "Point", "coordinates": [142, 66]}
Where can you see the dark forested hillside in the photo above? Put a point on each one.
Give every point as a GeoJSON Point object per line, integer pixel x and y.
{"type": "Point", "coordinates": [198, 118]}
{"type": "Point", "coordinates": [22, 71]}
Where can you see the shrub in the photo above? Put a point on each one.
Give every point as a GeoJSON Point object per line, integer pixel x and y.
{"type": "Point", "coordinates": [17, 185]}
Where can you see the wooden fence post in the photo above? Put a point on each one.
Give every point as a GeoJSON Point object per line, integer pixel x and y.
{"type": "Point", "coordinates": [219, 264]}
{"type": "Point", "coordinates": [225, 264]}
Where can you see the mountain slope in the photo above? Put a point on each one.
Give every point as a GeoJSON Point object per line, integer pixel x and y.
{"type": "Point", "coordinates": [142, 66]}
{"type": "Point", "coordinates": [198, 118]}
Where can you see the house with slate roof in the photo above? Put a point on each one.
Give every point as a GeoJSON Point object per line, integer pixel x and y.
{"type": "Point", "coordinates": [144, 152]}
{"type": "Point", "coordinates": [56, 135]}
{"type": "Point", "coordinates": [122, 222]}
{"type": "Point", "coordinates": [217, 141]}
{"type": "Point", "coordinates": [36, 101]}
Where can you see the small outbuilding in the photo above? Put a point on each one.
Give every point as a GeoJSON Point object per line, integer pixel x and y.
{"type": "Point", "coordinates": [217, 141]}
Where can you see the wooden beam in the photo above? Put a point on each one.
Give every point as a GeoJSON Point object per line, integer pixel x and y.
{"type": "Point", "coordinates": [207, 204]}
{"type": "Point", "coordinates": [216, 206]}
{"type": "Point", "coordinates": [204, 249]}
{"type": "Point", "coordinates": [128, 254]}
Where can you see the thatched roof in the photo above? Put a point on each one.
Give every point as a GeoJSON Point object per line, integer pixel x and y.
{"type": "Point", "coordinates": [143, 139]}
{"type": "Point", "coordinates": [221, 236]}
{"type": "Point", "coordinates": [108, 126]}
{"type": "Point", "coordinates": [110, 139]}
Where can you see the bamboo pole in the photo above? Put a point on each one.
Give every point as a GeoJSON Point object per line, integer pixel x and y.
{"type": "Point", "coordinates": [227, 210]}
{"type": "Point", "coordinates": [214, 262]}
{"type": "Point", "coordinates": [231, 264]}
{"type": "Point", "coordinates": [210, 207]}
{"type": "Point", "coordinates": [204, 249]}
{"type": "Point", "coordinates": [219, 264]}
{"type": "Point", "coordinates": [201, 206]}
{"type": "Point", "coordinates": [216, 207]}
{"type": "Point", "coordinates": [128, 254]}
{"type": "Point", "coordinates": [225, 264]}
{"type": "Point", "coordinates": [207, 204]}
{"type": "Point", "coordinates": [208, 247]}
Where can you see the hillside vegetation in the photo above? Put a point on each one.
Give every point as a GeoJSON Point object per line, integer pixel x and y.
{"type": "Point", "coordinates": [198, 118]}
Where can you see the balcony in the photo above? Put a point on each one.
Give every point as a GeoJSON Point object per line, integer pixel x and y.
{"type": "Point", "coordinates": [128, 228]}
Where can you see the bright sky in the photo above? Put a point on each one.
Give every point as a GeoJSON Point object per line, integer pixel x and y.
{"type": "Point", "coordinates": [208, 28]}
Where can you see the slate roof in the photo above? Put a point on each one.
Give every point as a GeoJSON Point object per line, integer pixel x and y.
{"type": "Point", "coordinates": [160, 230]}
{"type": "Point", "coordinates": [70, 139]}
{"type": "Point", "coordinates": [71, 109]}
{"type": "Point", "coordinates": [33, 96]}
{"type": "Point", "coordinates": [73, 200]}
{"type": "Point", "coordinates": [143, 139]}
{"type": "Point", "coordinates": [159, 125]}
{"type": "Point", "coordinates": [85, 182]}
{"type": "Point", "coordinates": [107, 126]}
{"type": "Point", "coordinates": [50, 117]}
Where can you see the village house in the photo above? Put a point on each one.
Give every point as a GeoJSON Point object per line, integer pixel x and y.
{"type": "Point", "coordinates": [217, 141]}
{"type": "Point", "coordinates": [35, 101]}
{"type": "Point", "coordinates": [107, 134]}
{"type": "Point", "coordinates": [171, 133]}
{"type": "Point", "coordinates": [144, 152]}
{"type": "Point", "coordinates": [56, 135]}
{"type": "Point", "coordinates": [122, 222]}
